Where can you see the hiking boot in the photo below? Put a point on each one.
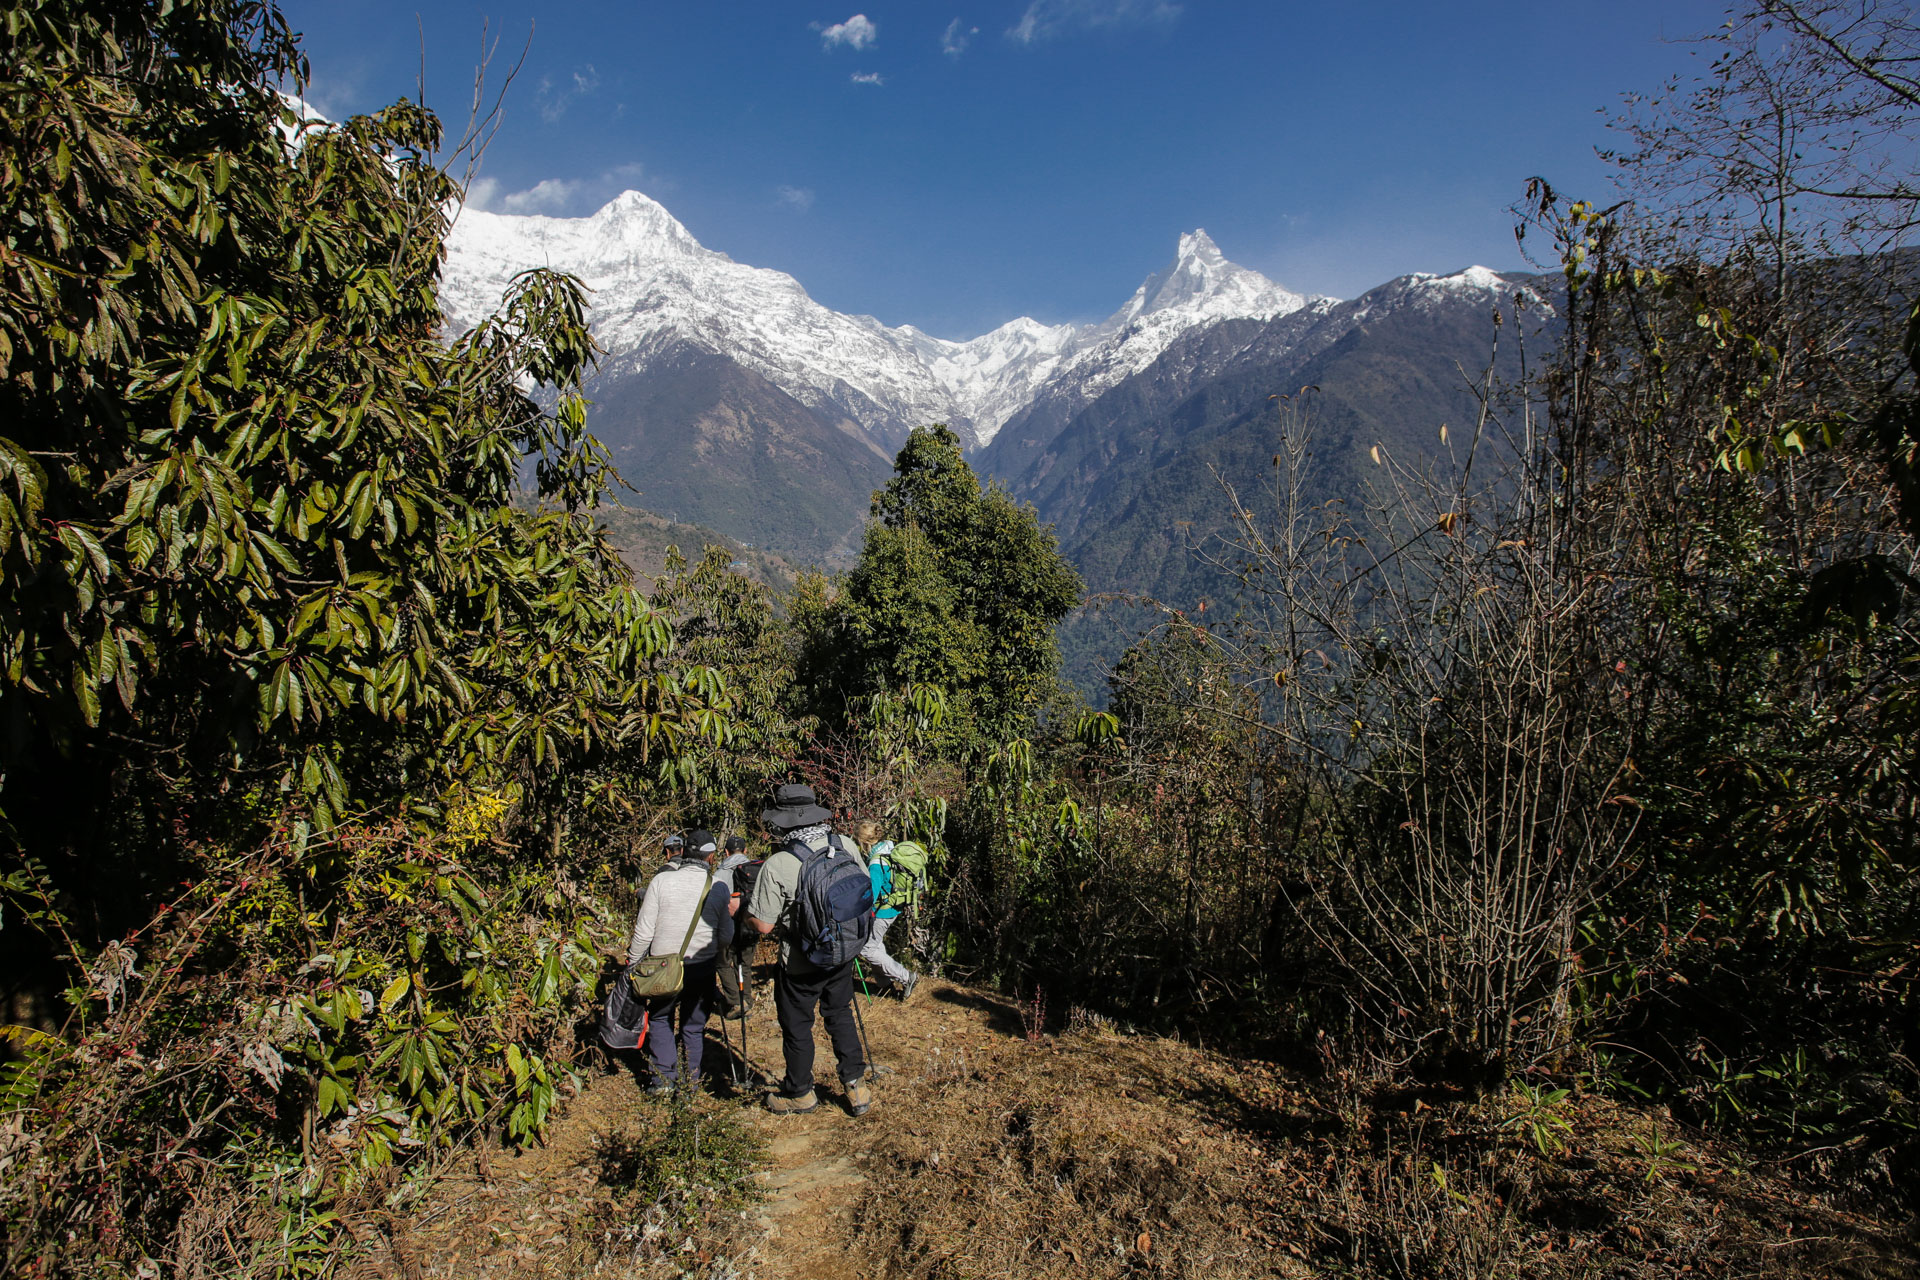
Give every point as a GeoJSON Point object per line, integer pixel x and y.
{"type": "Point", "coordinates": [782, 1106]}
{"type": "Point", "coordinates": [859, 1097]}
{"type": "Point", "coordinates": [660, 1088]}
{"type": "Point", "coordinates": [906, 988]}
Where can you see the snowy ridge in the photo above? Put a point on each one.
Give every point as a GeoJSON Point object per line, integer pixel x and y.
{"type": "Point", "coordinates": [1426, 291]}
{"type": "Point", "coordinates": [1424, 284]}
{"type": "Point", "coordinates": [1200, 289]}
{"type": "Point", "coordinates": [655, 285]}
{"type": "Point", "coordinates": [1460, 281]}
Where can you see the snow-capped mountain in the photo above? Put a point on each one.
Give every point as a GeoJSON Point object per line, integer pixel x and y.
{"type": "Point", "coordinates": [730, 398]}
{"type": "Point", "coordinates": [1423, 291]}
{"type": "Point", "coordinates": [656, 289]}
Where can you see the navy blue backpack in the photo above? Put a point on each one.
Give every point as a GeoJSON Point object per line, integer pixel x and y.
{"type": "Point", "coordinates": [833, 903]}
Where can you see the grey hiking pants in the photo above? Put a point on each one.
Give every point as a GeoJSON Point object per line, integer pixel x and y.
{"type": "Point", "coordinates": [875, 953]}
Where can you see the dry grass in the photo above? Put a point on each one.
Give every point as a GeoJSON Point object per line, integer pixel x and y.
{"type": "Point", "coordinates": [626, 1187]}
{"type": "Point", "coordinates": [1104, 1154]}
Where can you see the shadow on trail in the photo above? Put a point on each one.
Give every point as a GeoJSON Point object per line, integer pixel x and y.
{"type": "Point", "coordinates": [1002, 1015]}
{"type": "Point", "coordinates": [1270, 1119]}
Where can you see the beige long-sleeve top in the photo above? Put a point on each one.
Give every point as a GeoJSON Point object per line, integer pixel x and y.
{"type": "Point", "coordinates": [671, 899]}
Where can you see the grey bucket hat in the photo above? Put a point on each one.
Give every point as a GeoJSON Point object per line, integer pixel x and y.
{"type": "Point", "coordinates": [794, 807]}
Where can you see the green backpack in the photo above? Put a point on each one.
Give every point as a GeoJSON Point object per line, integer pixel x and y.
{"type": "Point", "coordinates": [909, 862]}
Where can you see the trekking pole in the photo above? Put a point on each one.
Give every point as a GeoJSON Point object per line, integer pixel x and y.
{"type": "Point", "coordinates": [733, 1062]}
{"type": "Point", "coordinates": [873, 1068]}
{"type": "Point", "coordinates": [743, 974]}
{"type": "Point", "coordinates": [861, 974]}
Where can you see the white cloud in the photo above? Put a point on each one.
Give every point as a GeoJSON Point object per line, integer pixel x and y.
{"type": "Point", "coordinates": [857, 32]}
{"type": "Point", "coordinates": [1047, 18]}
{"type": "Point", "coordinates": [798, 199]}
{"type": "Point", "coordinates": [954, 40]}
{"type": "Point", "coordinates": [554, 195]}
{"type": "Point", "coordinates": [329, 100]}
{"type": "Point", "coordinates": [560, 197]}
{"type": "Point", "coordinates": [868, 77]}
{"type": "Point", "coordinates": [481, 193]}
{"type": "Point", "coordinates": [554, 99]}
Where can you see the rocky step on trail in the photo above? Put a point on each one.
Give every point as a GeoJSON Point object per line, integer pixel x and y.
{"type": "Point", "coordinates": [997, 1149]}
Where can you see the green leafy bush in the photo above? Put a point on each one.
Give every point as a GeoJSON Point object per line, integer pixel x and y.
{"type": "Point", "coordinates": [297, 1026]}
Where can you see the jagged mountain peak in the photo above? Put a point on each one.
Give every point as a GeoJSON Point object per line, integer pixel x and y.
{"type": "Point", "coordinates": [654, 284]}
{"type": "Point", "coordinates": [1198, 245]}
{"type": "Point", "coordinates": [639, 217]}
{"type": "Point", "coordinates": [1201, 280]}
{"type": "Point", "coordinates": [631, 199]}
{"type": "Point", "coordinates": [632, 226]}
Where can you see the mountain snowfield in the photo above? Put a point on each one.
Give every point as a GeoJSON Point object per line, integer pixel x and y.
{"type": "Point", "coordinates": [732, 401]}
{"type": "Point", "coordinates": [656, 287]}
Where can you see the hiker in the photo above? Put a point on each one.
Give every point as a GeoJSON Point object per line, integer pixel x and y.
{"type": "Point", "coordinates": [895, 887]}
{"type": "Point", "coordinates": [807, 888]}
{"type": "Point", "coordinates": [742, 872]}
{"type": "Point", "coordinates": [736, 961]}
{"type": "Point", "coordinates": [670, 848]}
{"type": "Point", "coordinates": [738, 882]}
{"type": "Point", "coordinates": [684, 912]}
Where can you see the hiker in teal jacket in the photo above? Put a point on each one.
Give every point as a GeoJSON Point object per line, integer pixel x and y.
{"type": "Point", "coordinates": [889, 895]}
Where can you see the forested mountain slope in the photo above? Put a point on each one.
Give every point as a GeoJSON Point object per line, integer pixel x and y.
{"type": "Point", "coordinates": [712, 442]}
{"type": "Point", "coordinates": [1132, 481]}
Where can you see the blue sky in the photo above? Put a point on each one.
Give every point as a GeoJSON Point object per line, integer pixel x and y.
{"type": "Point", "coordinates": [953, 165]}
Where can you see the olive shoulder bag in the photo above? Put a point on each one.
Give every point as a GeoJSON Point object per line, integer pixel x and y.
{"type": "Point", "coordinates": [656, 976]}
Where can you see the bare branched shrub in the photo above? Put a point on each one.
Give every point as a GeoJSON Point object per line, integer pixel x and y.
{"type": "Point", "coordinates": [1435, 664]}
{"type": "Point", "coordinates": [1403, 1212]}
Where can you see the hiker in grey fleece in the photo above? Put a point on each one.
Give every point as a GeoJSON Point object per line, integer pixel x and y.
{"type": "Point", "coordinates": [673, 897]}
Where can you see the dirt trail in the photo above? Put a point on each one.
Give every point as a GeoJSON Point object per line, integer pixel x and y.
{"type": "Point", "coordinates": [806, 1219]}
{"type": "Point", "coordinates": [817, 1180]}
{"type": "Point", "coordinates": [990, 1151]}
{"type": "Point", "coordinates": [506, 1216]}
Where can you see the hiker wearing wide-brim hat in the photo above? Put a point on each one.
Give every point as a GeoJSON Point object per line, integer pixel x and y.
{"type": "Point", "coordinates": [794, 808]}
{"type": "Point", "coordinates": [813, 970]}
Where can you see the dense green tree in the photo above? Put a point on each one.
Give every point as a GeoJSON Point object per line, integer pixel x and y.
{"type": "Point", "coordinates": [725, 621]}
{"type": "Point", "coordinates": [256, 536]}
{"type": "Point", "coordinates": [957, 587]}
{"type": "Point", "coordinates": [281, 658]}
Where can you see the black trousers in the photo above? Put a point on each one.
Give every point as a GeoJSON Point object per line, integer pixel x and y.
{"type": "Point", "coordinates": [794, 996]}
